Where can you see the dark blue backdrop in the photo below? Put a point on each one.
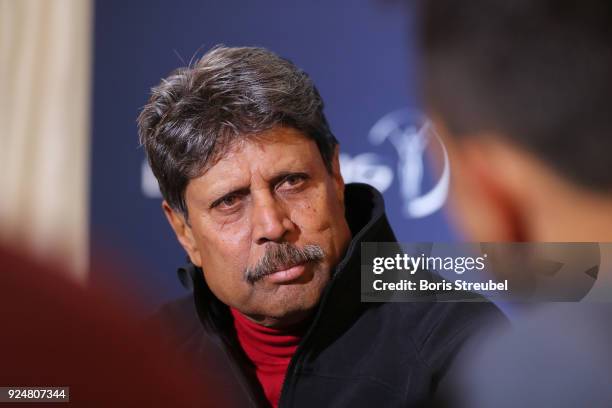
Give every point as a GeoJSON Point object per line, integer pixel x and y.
{"type": "Point", "coordinates": [358, 53]}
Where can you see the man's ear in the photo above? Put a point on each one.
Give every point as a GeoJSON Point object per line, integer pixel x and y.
{"type": "Point", "coordinates": [183, 232]}
{"type": "Point", "coordinates": [336, 175]}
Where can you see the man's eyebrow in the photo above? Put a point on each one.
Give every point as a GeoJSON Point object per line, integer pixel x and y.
{"type": "Point", "coordinates": [245, 190]}
{"type": "Point", "coordinates": [277, 178]}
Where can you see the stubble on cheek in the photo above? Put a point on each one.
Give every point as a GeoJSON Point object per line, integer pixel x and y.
{"type": "Point", "coordinates": [279, 300]}
{"type": "Point", "coordinates": [225, 258]}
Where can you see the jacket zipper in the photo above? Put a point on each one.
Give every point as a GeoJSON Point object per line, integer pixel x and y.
{"type": "Point", "coordinates": [295, 360]}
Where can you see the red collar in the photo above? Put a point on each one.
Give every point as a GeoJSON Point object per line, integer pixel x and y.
{"type": "Point", "coordinates": [264, 345]}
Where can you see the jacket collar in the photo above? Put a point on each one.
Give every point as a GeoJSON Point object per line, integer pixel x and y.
{"type": "Point", "coordinates": [365, 214]}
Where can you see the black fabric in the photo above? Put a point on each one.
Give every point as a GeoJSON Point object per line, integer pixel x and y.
{"type": "Point", "coordinates": [354, 354]}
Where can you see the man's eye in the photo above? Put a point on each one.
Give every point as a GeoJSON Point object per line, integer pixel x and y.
{"type": "Point", "coordinates": [293, 181]}
{"type": "Point", "coordinates": [227, 202]}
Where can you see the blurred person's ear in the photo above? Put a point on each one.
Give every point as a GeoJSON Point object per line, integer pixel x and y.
{"type": "Point", "coordinates": [501, 192]}
{"type": "Point", "coordinates": [487, 192]}
{"type": "Point", "coordinates": [183, 232]}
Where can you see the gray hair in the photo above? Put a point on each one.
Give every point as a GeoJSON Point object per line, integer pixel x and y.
{"type": "Point", "coordinates": [195, 114]}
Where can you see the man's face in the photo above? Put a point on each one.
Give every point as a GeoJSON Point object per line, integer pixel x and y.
{"type": "Point", "coordinates": [266, 192]}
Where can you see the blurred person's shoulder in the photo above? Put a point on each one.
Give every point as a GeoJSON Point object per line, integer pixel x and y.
{"type": "Point", "coordinates": [202, 349]}
{"type": "Point", "coordinates": [178, 321]}
{"type": "Point", "coordinates": [567, 344]}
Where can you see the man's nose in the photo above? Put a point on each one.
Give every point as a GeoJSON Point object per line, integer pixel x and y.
{"type": "Point", "coordinates": [270, 220]}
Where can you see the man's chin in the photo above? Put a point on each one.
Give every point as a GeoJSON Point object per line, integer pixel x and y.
{"type": "Point", "coordinates": [288, 319]}
{"type": "Point", "coordinates": [287, 308]}
{"type": "Point", "coordinates": [286, 304]}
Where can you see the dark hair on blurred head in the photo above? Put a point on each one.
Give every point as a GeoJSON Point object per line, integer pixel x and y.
{"type": "Point", "coordinates": [538, 72]}
{"type": "Point", "coordinates": [198, 112]}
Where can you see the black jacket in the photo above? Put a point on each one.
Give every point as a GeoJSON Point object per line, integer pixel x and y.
{"type": "Point", "coordinates": [354, 354]}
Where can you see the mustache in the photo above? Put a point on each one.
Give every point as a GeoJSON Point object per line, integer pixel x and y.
{"type": "Point", "coordinates": [283, 256]}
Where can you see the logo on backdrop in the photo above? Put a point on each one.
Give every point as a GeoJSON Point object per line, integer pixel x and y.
{"type": "Point", "coordinates": [411, 133]}
{"type": "Point", "coordinates": [414, 140]}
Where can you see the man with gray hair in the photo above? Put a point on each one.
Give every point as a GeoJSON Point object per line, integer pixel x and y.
{"type": "Point", "coordinates": [248, 168]}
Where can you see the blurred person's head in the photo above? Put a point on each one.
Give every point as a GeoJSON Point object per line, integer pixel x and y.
{"type": "Point", "coordinates": [249, 172]}
{"type": "Point", "coordinates": [57, 333]}
{"type": "Point", "coordinates": [521, 92]}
